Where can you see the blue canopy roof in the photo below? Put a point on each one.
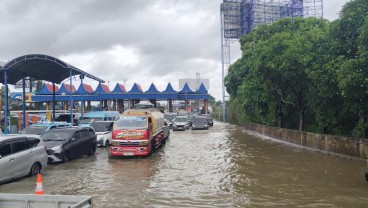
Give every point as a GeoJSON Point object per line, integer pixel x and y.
{"type": "Point", "coordinates": [169, 89]}
{"type": "Point", "coordinates": [65, 88]}
{"type": "Point", "coordinates": [84, 89]}
{"type": "Point", "coordinates": [119, 88]}
{"type": "Point", "coordinates": [136, 88]}
{"type": "Point", "coordinates": [202, 89]}
{"type": "Point", "coordinates": [47, 89]}
{"type": "Point", "coordinates": [119, 92]}
{"type": "Point", "coordinates": [186, 89]}
{"type": "Point", "coordinates": [152, 89]}
{"type": "Point", "coordinates": [102, 88]}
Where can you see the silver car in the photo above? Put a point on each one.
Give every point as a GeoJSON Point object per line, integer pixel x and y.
{"type": "Point", "coordinates": [21, 155]}
{"type": "Point", "coordinates": [181, 123]}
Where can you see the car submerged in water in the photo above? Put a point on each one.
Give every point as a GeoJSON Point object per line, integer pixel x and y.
{"type": "Point", "coordinates": [64, 144]}
{"type": "Point", "coordinates": [21, 155]}
{"type": "Point", "coordinates": [180, 123]}
{"type": "Point", "coordinates": [169, 118]}
{"type": "Point", "coordinates": [209, 119]}
{"type": "Point", "coordinates": [200, 122]}
{"type": "Point", "coordinates": [40, 128]}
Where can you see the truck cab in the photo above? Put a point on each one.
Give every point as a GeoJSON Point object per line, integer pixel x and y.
{"type": "Point", "coordinates": [138, 132]}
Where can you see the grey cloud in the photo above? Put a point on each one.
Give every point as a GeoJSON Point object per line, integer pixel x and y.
{"type": "Point", "coordinates": [173, 38]}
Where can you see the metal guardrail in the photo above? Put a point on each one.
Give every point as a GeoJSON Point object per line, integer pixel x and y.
{"type": "Point", "coordinates": [44, 201]}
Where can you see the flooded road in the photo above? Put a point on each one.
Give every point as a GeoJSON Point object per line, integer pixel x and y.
{"type": "Point", "coordinates": [221, 167]}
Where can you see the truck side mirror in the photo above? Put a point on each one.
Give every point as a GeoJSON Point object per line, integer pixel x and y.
{"type": "Point", "coordinates": [150, 126]}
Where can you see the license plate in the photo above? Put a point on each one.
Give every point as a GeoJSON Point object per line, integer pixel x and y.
{"type": "Point", "coordinates": [128, 153]}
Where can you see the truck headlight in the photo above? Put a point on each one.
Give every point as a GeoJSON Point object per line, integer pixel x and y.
{"type": "Point", "coordinates": [143, 143]}
{"type": "Point", "coordinates": [115, 143]}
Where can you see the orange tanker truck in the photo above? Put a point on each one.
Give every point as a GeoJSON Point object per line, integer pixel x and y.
{"type": "Point", "coordinates": [138, 132]}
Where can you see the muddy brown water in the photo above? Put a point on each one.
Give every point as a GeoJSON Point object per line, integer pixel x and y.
{"type": "Point", "coordinates": [221, 167]}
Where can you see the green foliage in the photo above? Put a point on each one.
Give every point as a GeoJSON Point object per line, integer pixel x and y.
{"type": "Point", "coordinates": [304, 72]}
{"type": "Point", "coordinates": [13, 120]}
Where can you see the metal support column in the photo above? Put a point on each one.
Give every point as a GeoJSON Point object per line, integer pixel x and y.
{"type": "Point", "coordinates": [24, 103]}
{"type": "Point", "coordinates": [53, 102]}
{"type": "Point", "coordinates": [6, 112]}
{"type": "Point", "coordinates": [81, 76]}
{"type": "Point", "coordinates": [70, 96]}
{"type": "Point", "coordinates": [223, 67]}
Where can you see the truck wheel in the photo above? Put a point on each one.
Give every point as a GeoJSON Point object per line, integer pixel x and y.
{"type": "Point", "coordinates": [150, 149]}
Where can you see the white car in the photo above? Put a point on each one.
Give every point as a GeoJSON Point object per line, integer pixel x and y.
{"type": "Point", "coordinates": [103, 131]}
{"type": "Point", "coordinates": [21, 155]}
{"type": "Point", "coordinates": [181, 123]}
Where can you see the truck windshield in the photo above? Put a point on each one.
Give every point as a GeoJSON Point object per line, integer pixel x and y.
{"type": "Point", "coordinates": [130, 122]}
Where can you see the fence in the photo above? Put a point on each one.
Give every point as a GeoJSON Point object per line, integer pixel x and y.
{"type": "Point", "coordinates": [355, 147]}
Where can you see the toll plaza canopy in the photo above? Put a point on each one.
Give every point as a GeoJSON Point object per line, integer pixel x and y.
{"type": "Point", "coordinates": [102, 92]}
{"type": "Point", "coordinates": [40, 67]}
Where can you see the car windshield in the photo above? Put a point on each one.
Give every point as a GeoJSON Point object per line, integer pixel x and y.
{"type": "Point", "coordinates": [34, 130]}
{"type": "Point", "coordinates": [200, 120]}
{"type": "Point", "coordinates": [55, 136]}
{"type": "Point", "coordinates": [101, 126]}
{"type": "Point", "coordinates": [130, 122]}
{"type": "Point", "coordinates": [168, 117]}
{"type": "Point", "coordinates": [91, 119]}
{"type": "Point", "coordinates": [181, 119]}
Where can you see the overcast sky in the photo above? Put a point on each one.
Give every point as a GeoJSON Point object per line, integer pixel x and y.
{"type": "Point", "coordinates": [125, 41]}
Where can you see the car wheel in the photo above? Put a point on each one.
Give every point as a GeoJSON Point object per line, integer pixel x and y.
{"type": "Point", "coordinates": [107, 143]}
{"type": "Point", "coordinates": [92, 150]}
{"type": "Point", "coordinates": [66, 157]}
{"type": "Point", "coordinates": [35, 169]}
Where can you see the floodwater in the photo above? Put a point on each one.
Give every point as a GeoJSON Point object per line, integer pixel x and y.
{"type": "Point", "coordinates": [221, 167]}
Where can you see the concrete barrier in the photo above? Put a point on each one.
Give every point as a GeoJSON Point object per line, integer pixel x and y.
{"type": "Point", "coordinates": [354, 147]}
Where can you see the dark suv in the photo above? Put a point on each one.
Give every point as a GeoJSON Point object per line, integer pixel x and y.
{"type": "Point", "coordinates": [64, 144]}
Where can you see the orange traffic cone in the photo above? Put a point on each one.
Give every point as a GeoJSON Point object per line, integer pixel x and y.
{"type": "Point", "coordinates": [39, 189]}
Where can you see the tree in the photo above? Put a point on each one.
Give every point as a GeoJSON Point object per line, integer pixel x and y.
{"type": "Point", "coordinates": [350, 37]}
{"type": "Point", "coordinates": [284, 55]}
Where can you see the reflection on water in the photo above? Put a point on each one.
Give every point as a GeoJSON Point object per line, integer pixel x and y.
{"type": "Point", "coordinates": [222, 167]}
